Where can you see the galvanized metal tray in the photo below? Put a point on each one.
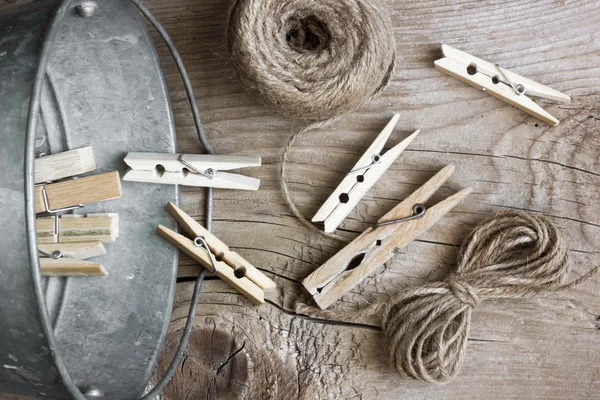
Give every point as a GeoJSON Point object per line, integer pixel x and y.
{"type": "Point", "coordinates": [103, 87]}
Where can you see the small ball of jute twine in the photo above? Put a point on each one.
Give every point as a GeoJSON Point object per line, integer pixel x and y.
{"type": "Point", "coordinates": [511, 255]}
{"type": "Point", "coordinates": [311, 60]}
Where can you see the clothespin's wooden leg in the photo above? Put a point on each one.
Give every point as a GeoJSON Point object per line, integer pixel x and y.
{"type": "Point", "coordinates": [70, 267]}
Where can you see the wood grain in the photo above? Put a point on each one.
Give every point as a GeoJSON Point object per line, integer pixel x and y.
{"type": "Point", "coordinates": [103, 227]}
{"type": "Point", "coordinates": [89, 189]}
{"type": "Point", "coordinates": [65, 164]}
{"type": "Point", "coordinates": [70, 267]}
{"type": "Point", "coordinates": [536, 348]}
{"type": "Point", "coordinates": [544, 348]}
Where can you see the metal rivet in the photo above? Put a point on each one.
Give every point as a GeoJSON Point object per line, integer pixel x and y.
{"type": "Point", "coordinates": [94, 392]}
{"type": "Point", "coordinates": [87, 9]}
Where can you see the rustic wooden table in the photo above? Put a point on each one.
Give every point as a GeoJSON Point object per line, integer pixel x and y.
{"type": "Point", "coordinates": [543, 348]}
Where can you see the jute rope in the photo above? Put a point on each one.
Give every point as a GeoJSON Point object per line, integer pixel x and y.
{"type": "Point", "coordinates": [511, 255]}
{"type": "Point", "coordinates": [311, 60]}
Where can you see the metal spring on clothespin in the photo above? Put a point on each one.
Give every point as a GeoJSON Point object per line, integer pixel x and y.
{"type": "Point", "coordinates": [518, 88]}
{"type": "Point", "coordinates": [199, 241]}
{"type": "Point", "coordinates": [376, 159]}
{"type": "Point", "coordinates": [209, 173]}
{"type": "Point", "coordinates": [418, 211]}
{"type": "Point", "coordinates": [55, 255]}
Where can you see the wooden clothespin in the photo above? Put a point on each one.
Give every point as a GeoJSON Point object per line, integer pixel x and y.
{"type": "Point", "coordinates": [191, 170]}
{"type": "Point", "coordinates": [67, 259]}
{"type": "Point", "coordinates": [226, 264]}
{"type": "Point", "coordinates": [70, 228]}
{"type": "Point", "coordinates": [371, 166]}
{"type": "Point", "coordinates": [73, 193]}
{"type": "Point", "coordinates": [63, 165]}
{"type": "Point", "coordinates": [499, 82]}
{"type": "Point", "coordinates": [376, 245]}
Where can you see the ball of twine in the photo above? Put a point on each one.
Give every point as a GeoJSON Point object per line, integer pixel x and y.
{"type": "Point", "coordinates": [510, 255]}
{"type": "Point", "coordinates": [312, 60]}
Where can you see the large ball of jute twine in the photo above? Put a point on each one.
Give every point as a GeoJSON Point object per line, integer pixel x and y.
{"type": "Point", "coordinates": [511, 255]}
{"type": "Point", "coordinates": [312, 60]}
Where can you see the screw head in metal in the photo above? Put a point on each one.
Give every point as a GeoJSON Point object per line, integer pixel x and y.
{"type": "Point", "coordinates": [93, 392]}
{"type": "Point", "coordinates": [87, 9]}
{"type": "Point", "coordinates": [210, 172]}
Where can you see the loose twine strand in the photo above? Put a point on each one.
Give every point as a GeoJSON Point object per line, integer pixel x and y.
{"type": "Point", "coordinates": [286, 191]}
{"type": "Point", "coordinates": [311, 60]}
{"type": "Point", "coordinates": [511, 255]}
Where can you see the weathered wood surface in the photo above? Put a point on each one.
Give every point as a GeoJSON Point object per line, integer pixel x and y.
{"type": "Point", "coordinates": [545, 348]}
{"type": "Point", "coordinates": [538, 348]}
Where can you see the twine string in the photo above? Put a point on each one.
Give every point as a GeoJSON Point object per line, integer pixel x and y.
{"type": "Point", "coordinates": [510, 255]}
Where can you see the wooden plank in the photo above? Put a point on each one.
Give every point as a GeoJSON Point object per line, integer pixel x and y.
{"type": "Point", "coordinates": [534, 348]}
{"type": "Point", "coordinates": [89, 189]}
{"type": "Point", "coordinates": [65, 164]}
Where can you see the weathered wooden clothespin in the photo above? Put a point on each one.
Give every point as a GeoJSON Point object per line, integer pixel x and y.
{"type": "Point", "coordinates": [367, 171]}
{"type": "Point", "coordinates": [73, 193]}
{"type": "Point", "coordinates": [57, 166]}
{"type": "Point", "coordinates": [499, 82]}
{"type": "Point", "coordinates": [377, 244]}
{"type": "Point", "coordinates": [214, 255]}
{"type": "Point", "coordinates": [72, 228]}
{"type": "Point", "coordinates": [191, 170]}
{"type": "Point", "coordinates": [67, 259]}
